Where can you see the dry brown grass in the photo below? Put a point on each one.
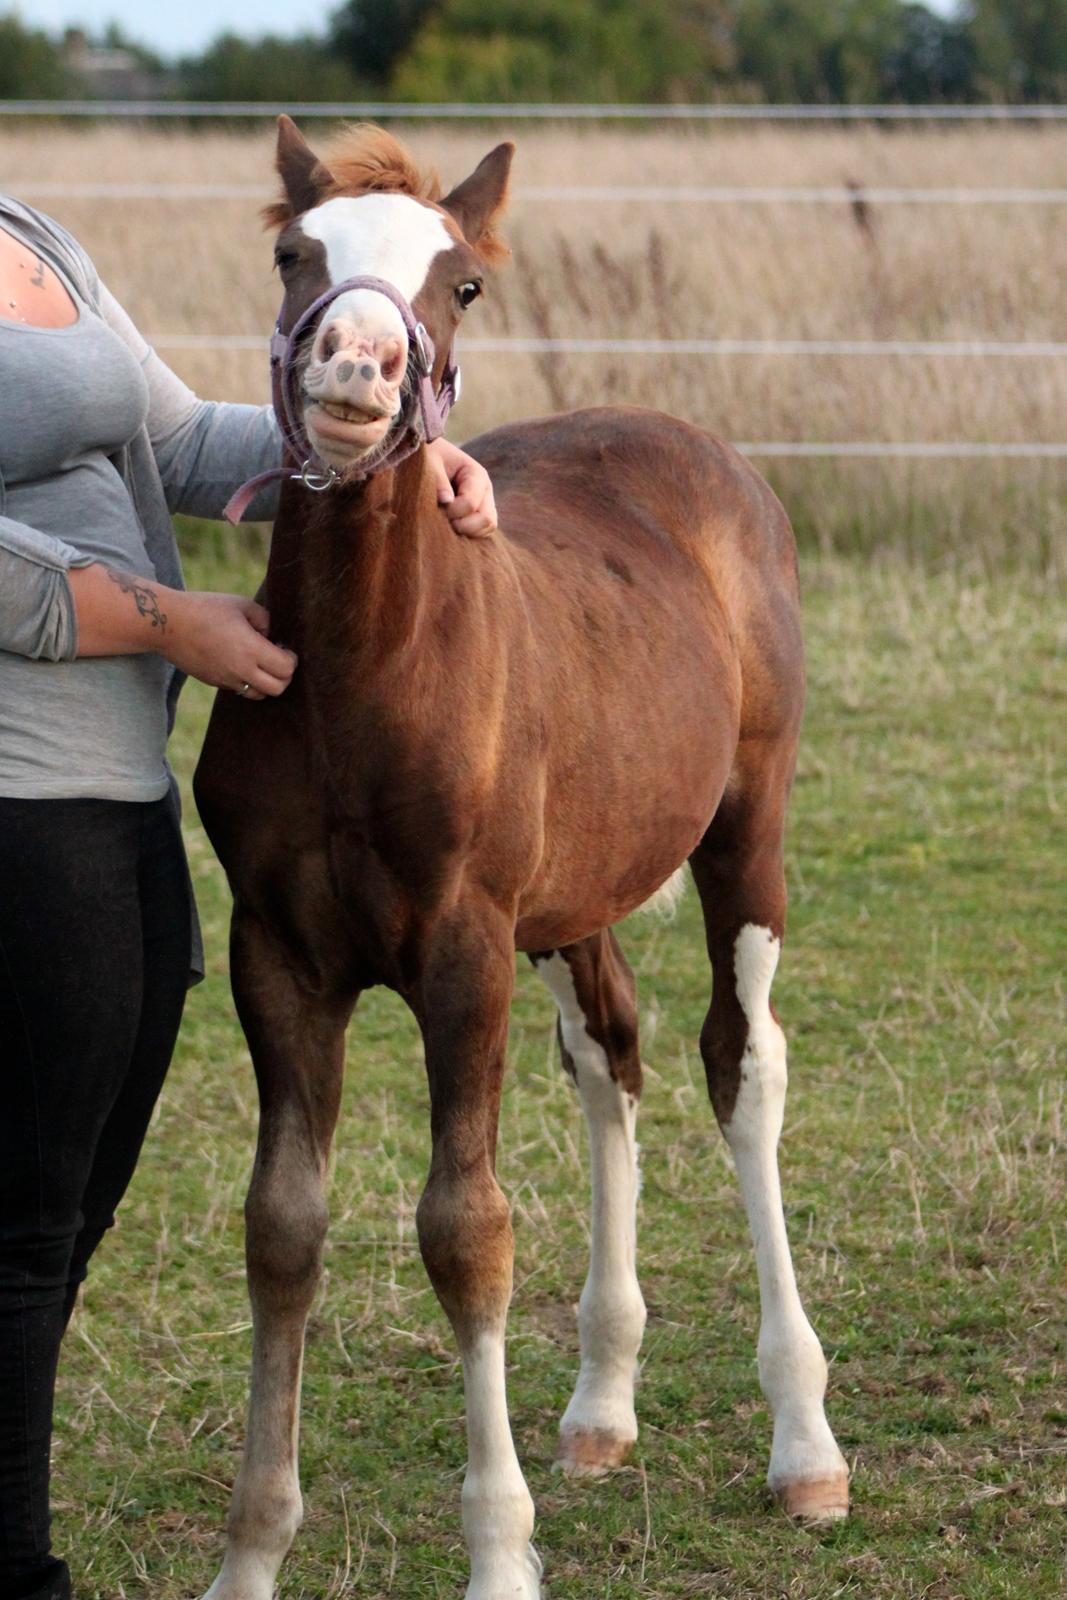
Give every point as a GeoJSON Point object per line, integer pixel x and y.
{"type": "Point", "coordinates": [668, 270]}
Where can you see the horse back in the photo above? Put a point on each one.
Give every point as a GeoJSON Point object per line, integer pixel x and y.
{"type": "Point", "coordinates": [629, 511]}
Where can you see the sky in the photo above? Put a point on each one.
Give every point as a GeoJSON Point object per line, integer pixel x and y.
{"type": "Point", "coordinates": [181, 28]}
{"type": "Point", "coordinates": [185, 27]}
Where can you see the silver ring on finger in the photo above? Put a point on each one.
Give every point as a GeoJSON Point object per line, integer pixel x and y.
{"type": "Point", "coordinates": [243, 690]}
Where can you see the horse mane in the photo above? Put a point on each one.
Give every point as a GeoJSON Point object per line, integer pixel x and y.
{"type": "Point", "coordinates": [366, 159]}
{"type": "Point", "coordinates": [363, 159]}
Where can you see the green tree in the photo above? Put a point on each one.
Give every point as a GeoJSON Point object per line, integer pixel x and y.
{"type": "Point", "coordinates": [373, 35]}
{"type": "Point", "coordinates": [267, 69]}
{"type": "Point", "coordinates": [810, 51]}
{"type": "Point", "coordinates": [932, 61]}
{"type": "Point", "coordinates": [31, 64]}
{"type": "Point", "coordinates": [1020, 48]}
{"type": "Point", "coordinates": [561, 50]}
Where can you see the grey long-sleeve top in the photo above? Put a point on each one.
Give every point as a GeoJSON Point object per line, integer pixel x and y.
{"type": "Point", "coordinates": [99, 441]}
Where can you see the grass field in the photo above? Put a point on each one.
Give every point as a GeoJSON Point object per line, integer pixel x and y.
{"type": "Point", "coordinates": [666, 270]}
{"type": "Point", "coordinates": [922, 986]}
{"type": "Point", "coordinates": [923, 993]}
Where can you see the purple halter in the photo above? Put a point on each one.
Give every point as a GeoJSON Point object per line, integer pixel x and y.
{"type": "Point", "coordinates": [421, 417]}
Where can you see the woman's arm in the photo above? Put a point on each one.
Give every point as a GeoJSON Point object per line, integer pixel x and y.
{"type": "Point", "coordinates": [218, 638]}
{"type": "Point", "coordinates": [37, 617]}
{"type": "Point", "coordinates": [204, 449]}
{"type": "Point", "coordinates": [57, 603]}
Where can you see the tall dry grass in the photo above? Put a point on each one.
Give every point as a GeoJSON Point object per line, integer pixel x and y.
{"type": "Point", "coordinates": [670, 270]}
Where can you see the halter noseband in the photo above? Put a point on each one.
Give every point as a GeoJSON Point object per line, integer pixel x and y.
{"type": "Point", "coordinates": [421, 417]}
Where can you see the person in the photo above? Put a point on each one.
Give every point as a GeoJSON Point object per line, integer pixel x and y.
{"type": "Point", "coordinates": [99, 443]}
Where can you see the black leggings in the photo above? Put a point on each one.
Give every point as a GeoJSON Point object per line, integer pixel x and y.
{"type": "Point", "coordinates": [94, 960]}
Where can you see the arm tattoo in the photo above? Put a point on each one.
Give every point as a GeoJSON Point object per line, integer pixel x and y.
{"type": "Point", "coordinates": [144, 598]}
{"type": "Point", "coordinates": [38, 278]}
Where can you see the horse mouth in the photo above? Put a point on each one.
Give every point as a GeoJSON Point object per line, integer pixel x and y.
{"type": "Point", "coordinates": [346, 424]}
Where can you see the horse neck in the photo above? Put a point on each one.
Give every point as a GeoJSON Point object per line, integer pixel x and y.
{"type": "Point", "coordinates": [353, 572]}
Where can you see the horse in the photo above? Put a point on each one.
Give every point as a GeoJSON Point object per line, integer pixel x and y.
{"type": "Point", "coordinates": [495, 744]}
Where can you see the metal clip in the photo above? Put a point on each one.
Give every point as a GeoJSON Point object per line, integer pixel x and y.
{"type": "Point", "coordinates": [425, 348]}
{"type": "Point", "coordinates": [316, 480]}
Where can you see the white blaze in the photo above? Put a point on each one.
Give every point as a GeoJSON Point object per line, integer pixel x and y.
{"type": "Point", "coordinates": [388, 236]}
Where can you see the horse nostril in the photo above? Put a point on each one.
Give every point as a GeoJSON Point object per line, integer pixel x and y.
{"type": "Point", "coordinates": [391, 359]}
{"type": "Point", "coordinates": [346, 369]}
{"type": "Point", "coordinates": [366, 371]}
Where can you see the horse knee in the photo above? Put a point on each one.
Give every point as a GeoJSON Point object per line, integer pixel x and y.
{"type": "Point", "coordinates": [286, 1221]}
{"type": "Point", "coordinates": [269, 1519]}
{"type": "Point", "coordinates": [465, 1235]}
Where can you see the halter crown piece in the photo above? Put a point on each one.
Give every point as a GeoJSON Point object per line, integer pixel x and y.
{"type": "Point", "coordinates": [421, 417]}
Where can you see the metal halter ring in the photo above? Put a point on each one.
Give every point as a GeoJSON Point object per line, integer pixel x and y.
{"type": "Point", "coordinates": [315, 479]}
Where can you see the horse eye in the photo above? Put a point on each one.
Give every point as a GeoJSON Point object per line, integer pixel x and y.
{"type": "Point", "coordinates": [468, 292]}
{"type": "Point", "coordinates": [285, 259]}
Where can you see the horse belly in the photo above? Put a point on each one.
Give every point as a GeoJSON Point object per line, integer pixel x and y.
{"type": "Point", "coordinates": [629, 806]}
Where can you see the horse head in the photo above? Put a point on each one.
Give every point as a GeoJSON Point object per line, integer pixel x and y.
{"type": "Point", "coordinates": [366, 212]}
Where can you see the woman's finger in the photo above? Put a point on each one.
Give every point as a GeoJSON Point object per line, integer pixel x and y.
{"type": "Point", "coordinates": [475, 500]}
{"type": "Point", "coordinates": [441, 479]}
{"type": "Point", "coordinates": [470, 516]}
{"type": "Point", "coordinates": [268, 684]}
{"type": "Point", "coordinates": [275, 659]}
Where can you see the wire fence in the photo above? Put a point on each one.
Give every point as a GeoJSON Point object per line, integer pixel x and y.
{"type": "Point", "coordinates": [1024, 349]}
{"type": "Point", "coordinates": [863, 449]}
{"type": "Point", "coordinates": [905, 450]}
{"type": "Point", "coordinates": [584, 194]}
{"type": "Point", "coordinates": [442, 111]}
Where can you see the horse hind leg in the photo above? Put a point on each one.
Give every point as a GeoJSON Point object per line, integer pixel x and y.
{"type": "Point", "coordinates": [739, 875]}
{"type": "Point", "coordinates": [594, 990]}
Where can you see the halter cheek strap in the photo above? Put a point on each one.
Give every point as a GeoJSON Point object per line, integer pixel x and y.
{"type": "Point", "coordinates": [421, 417]}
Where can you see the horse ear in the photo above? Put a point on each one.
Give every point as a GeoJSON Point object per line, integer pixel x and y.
{"type": "Point", "coordinates": [478, 201]}
{"type": "Point", "coordinates": [303, 175]}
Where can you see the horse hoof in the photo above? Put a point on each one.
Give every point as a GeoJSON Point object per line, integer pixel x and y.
{"type": "Point", "coordinates": [815, 1500]}
{"type": "Point", "coordinates": [591, 1452]}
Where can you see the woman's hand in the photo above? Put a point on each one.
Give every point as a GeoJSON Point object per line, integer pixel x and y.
{"type": "Point", "coordinates": [218, 638]}
{"type": "Point", "coordinates": [222, 640]}
{"type": "Point", "coordinates": [464, 489]}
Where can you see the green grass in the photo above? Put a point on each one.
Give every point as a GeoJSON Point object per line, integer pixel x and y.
{"type": "Point", "coordinates": [922, 991]}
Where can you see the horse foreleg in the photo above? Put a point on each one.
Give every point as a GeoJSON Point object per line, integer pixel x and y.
{"type": "Point", "coordinates": [297, 1044]}
{"type": "Point", "coordinates": [594, 990]}
{"type": "Point", "coordinates": [738, 871]}
{"type": "Point", "coordinates": [465, 1233]}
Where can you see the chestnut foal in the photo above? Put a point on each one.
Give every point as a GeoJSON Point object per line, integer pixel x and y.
{"type": "Point", "coordinates": [492, 744]}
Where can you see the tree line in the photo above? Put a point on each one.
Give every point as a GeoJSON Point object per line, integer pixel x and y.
{"type": "Point", "coordinates": [810, 51]}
